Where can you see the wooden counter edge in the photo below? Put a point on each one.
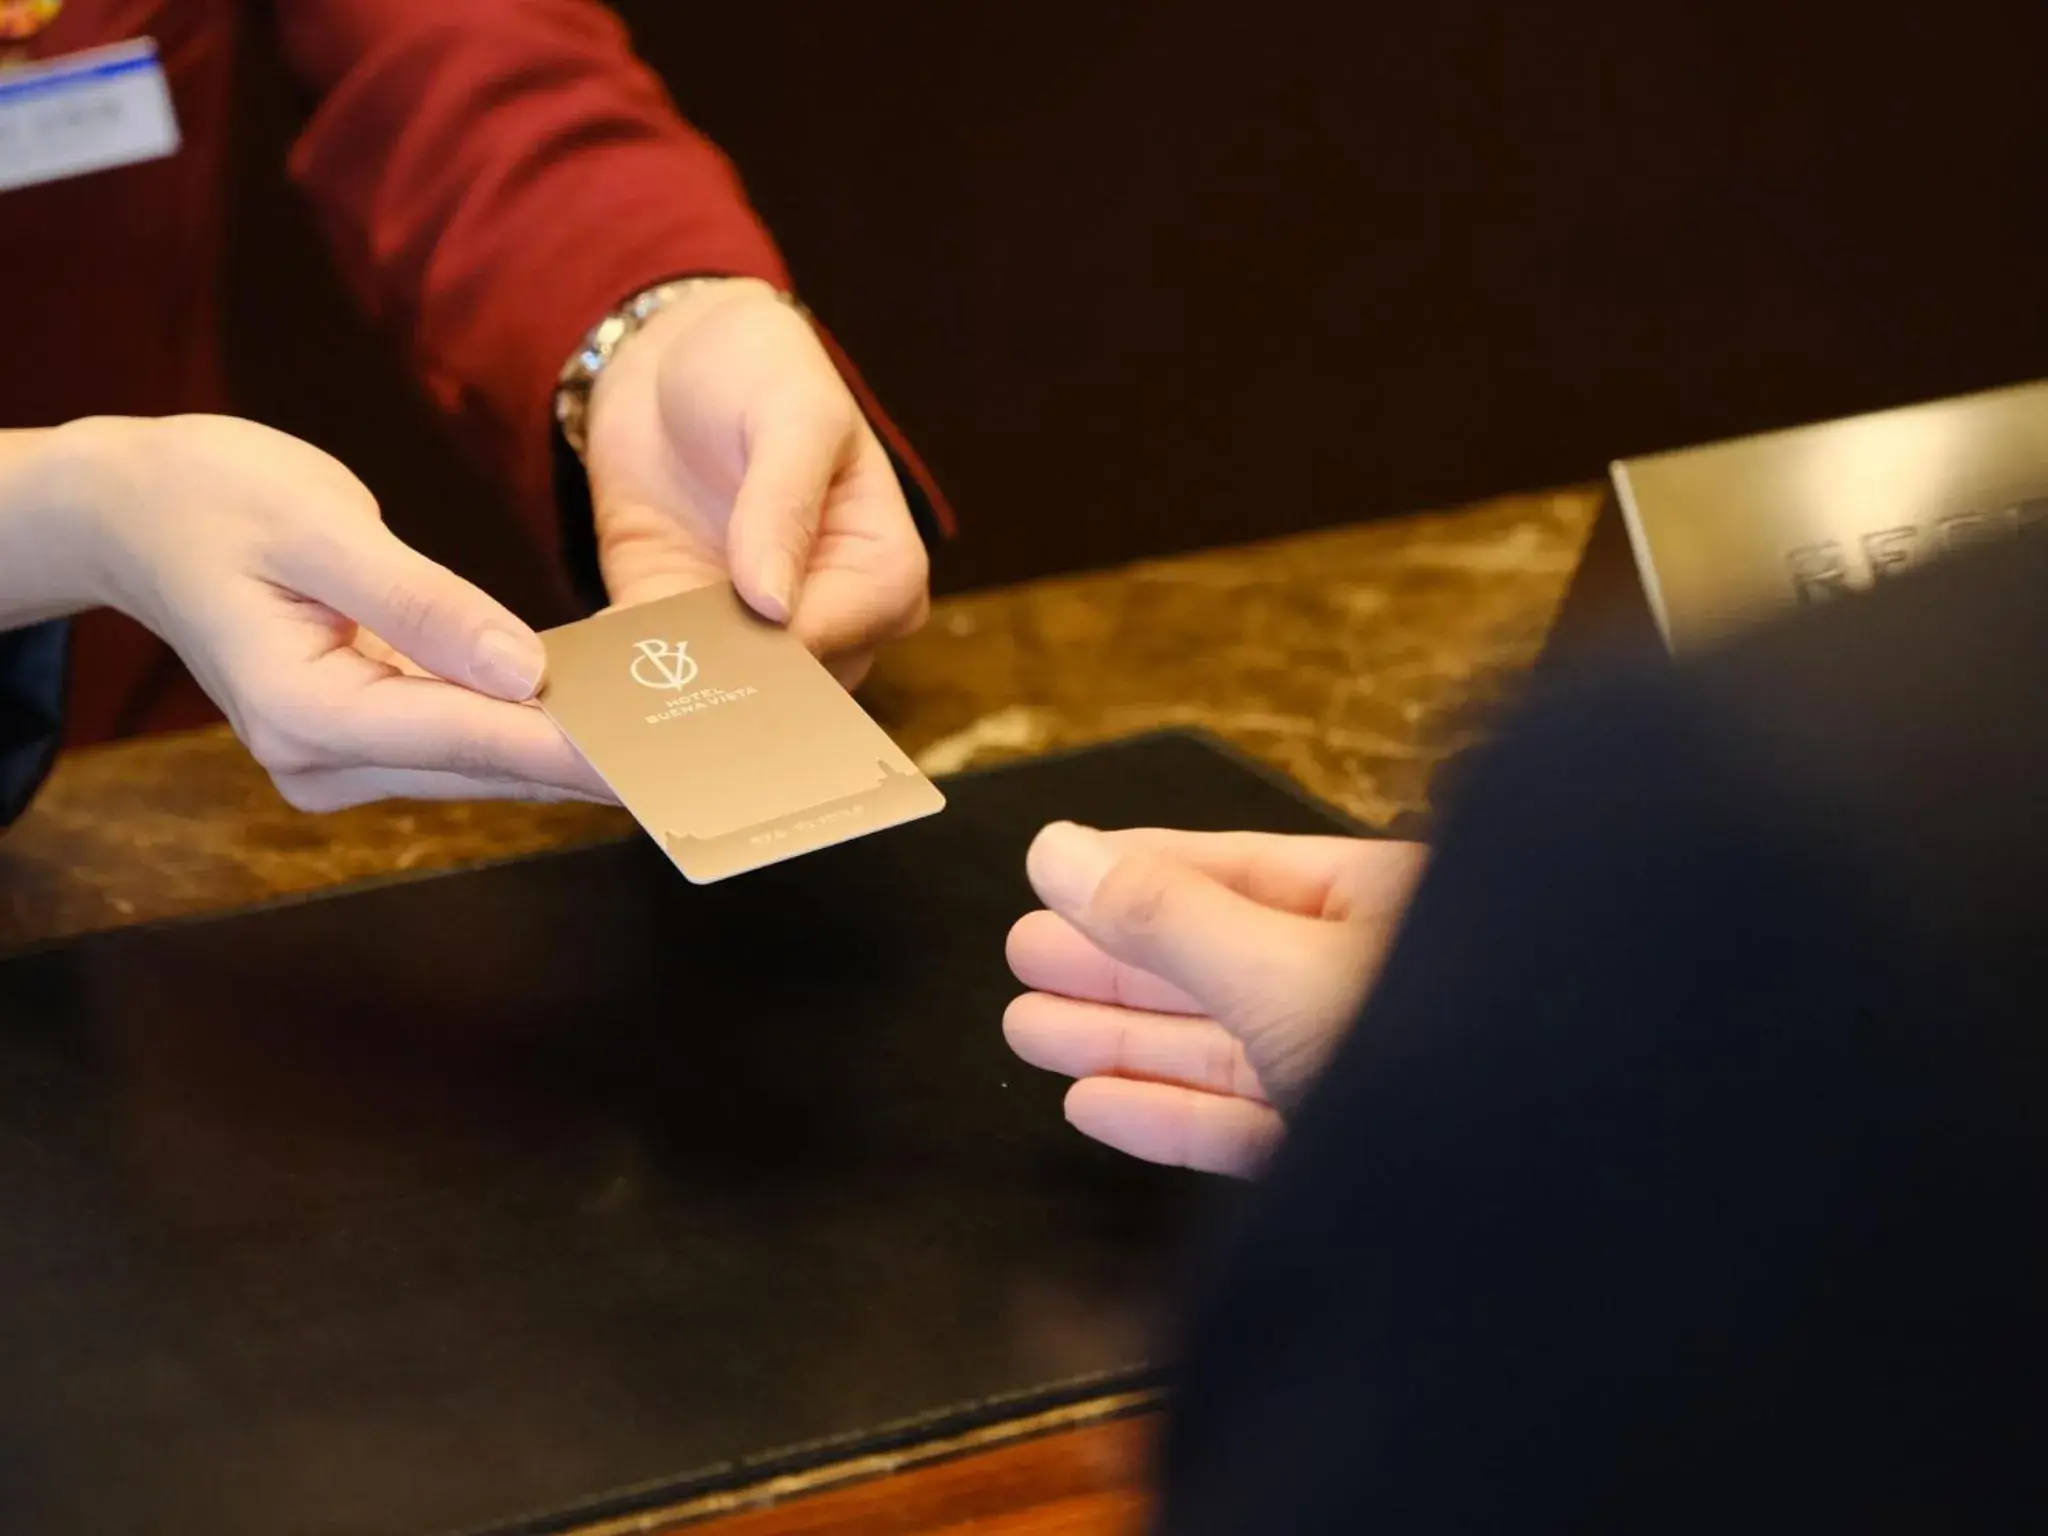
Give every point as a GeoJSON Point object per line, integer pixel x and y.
{"type": "Point", "coordinates": [1091, 1456]}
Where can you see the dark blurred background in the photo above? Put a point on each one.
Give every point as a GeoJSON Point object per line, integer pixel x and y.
{"type": "Point", "coordinates": [1141, 277]}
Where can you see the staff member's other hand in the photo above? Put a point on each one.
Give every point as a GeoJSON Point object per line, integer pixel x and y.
{"type": "Point", "coordinates": [353, 667]}
{"type": "Point", "coordinates": [1195, 983]}
{"type": "Point", "coordinates": [723, 444]}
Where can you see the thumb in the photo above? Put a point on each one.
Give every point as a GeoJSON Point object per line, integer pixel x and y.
{"type": "Point", "coordinates": [775, 513]}
{"type": "Point", "coordinates": [1250, 967]}
{"type": "Point", "coordinates": [423, 610]}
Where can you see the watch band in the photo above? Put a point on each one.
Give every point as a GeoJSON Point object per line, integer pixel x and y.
{"type": "Point", "coordinates": [601, 343]}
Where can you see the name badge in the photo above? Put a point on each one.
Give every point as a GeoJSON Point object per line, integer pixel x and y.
{"type": "Point", "coordinates": [87, 112]}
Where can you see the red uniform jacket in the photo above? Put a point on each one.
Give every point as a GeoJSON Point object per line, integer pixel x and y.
{"type": "Point", "coordinates": [492, 176]}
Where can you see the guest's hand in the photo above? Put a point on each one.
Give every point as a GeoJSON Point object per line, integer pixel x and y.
{"type": "Point", "coordinates": [353, 667]}
{"type": "Point", "coordinates": [1195, 983]}
{"type": "Point", "coordinates": [723, 444]}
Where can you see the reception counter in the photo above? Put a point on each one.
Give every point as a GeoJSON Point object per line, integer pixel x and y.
{"type": "Point", "coordinates": [1354, 661]}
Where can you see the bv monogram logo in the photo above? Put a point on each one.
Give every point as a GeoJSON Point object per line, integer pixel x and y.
{"type": "Point", "coordinates": [664, 666]}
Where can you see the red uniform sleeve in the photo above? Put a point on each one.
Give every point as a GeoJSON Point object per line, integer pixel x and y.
{"type": "Point", "coordinates": [494, 176]}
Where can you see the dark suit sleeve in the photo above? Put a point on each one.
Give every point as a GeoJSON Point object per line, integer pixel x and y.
{"type": "Point", "coordinates": [1664, 1184]}
{"type": "Point", "coordinates": [32, 675]}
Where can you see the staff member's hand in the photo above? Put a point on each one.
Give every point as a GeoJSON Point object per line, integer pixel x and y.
{"type": "Point", "coordinates": [723, 444]}
{"type": "Point", "coordinates": [1195, 983]}
{"type": "Point", "coordinates": [353, 667]}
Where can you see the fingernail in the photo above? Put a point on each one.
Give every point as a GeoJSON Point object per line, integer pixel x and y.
{"type": "Point", "coordinates": [1066, 863]}
{"type": "Point", "coordinates": [510, 666]}
{"type": "Point", "coordinates": [778, 584]}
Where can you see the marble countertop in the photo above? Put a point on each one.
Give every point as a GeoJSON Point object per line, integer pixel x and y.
{"type": "Point", "coordinates": [1352, 660]}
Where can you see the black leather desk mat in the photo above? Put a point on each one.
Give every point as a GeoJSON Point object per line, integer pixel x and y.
{"type": "Point", "coordinates": [560, 1186]}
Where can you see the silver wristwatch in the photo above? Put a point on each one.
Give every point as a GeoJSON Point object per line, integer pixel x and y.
{"type": "Point", "coordinates": [580, 374]}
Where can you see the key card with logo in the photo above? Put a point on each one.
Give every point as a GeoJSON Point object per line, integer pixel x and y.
{"type": "Point", "coordinates": [731, 743]}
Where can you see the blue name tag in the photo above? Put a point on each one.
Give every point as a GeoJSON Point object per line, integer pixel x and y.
{"type": "Point", "coordinates": [84, 113]}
